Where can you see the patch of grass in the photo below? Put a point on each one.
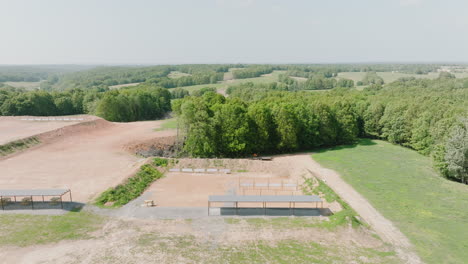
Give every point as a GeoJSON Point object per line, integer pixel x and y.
{"type": "Point", "coordinates": [232, 220]}
{"type": "Point", "coordinates": [160, 162]}
{"type": "Point", "coordinates": [26, 230]}
{"type": "Point", "coordinates": [431, 211]}
{"type": "Point", "coordinates": [242, 171]}
{"type": "Point", "coordinates": [167, 125]}
{"type": "Point", "coordinates": [177, 74]}
{"type": "Point", "coordinates": [187, 249]}
{"type": "Point", "coordinates": [131, 188]}
{"type": "Point", "coordinates": [343, 217]}
{"type": "Point", "coordinates": [18, 145]}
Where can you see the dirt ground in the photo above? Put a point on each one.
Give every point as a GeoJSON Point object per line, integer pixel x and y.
{"type": "Point", "coordinates": [88, 158]}
{"type": "Point", "coordinates": [15, 127]}
{"type": "Point", "coordinates": [192, 189]}
{"type": "Point", "coordinates": [212, 240]}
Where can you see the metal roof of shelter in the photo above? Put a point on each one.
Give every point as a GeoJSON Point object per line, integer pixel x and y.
{"type": "Point", "coordinates": [37, 192]}
{"type": "Point", "coordinates": [265, 198]}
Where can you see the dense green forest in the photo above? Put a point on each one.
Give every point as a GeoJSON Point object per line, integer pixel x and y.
{"type": "Point", "coordinates": [143, 102]}
{"type": "Point", "coordinates": [426, 115]}
{"type": "Point", "coordinates": [429, 116]}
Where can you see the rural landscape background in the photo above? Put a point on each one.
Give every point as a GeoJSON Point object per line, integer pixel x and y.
{"type": "Point", "coordinates": [158, 106]}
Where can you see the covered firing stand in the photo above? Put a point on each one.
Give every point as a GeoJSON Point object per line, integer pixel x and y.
{"type": "Point", "coordinates": [34, 193]}
{"type": "Point", "coordinates": [264, 199]}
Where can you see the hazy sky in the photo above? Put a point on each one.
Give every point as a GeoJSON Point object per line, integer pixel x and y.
{"type": "Point", "coordinates": [220, 31]}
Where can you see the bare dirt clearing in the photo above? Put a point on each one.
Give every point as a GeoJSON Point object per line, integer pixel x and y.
{"type": "Point", "coordinates": [18, 127]}
{"type": "Point", "coordinates": [88, 158]}
{"type": "Point", "coordinates": [193, 189]}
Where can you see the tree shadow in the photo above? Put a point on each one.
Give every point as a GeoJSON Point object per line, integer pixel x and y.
{"type": "Point", "coordinates": [360, 142]}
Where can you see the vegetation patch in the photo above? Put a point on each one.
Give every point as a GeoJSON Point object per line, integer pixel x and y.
{"type": "Point", "coordinates": [25, 230]}
{"type": "Point", "coordinates": [133, 186]}
{"type": "Point", "coordinates": [185, 248]}
{"type": "Point", "coordinates": [402, 185]}
{"type": "Point", "coordinates": [167, 125]}
{"type": "Point", "coordinates": [18, 145]}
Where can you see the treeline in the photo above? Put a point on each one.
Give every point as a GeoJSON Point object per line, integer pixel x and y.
{"type": "Point", "coordinates": [136, 103]}
{"type": "Point", "coordinates": [195, 79]}
{"type": "Point", "coordinates": [104, 76]}
{"type": "Point", "coordinates": [315, 82]}
{"type": "Point", "coordinates": [34, 73]}
{"type": "Point", "coordinates": [331, 70]}
{"type": "Point", "coordinates": [253, 71]}
{"type": "Point", "coordinates": [422, 114]}
{"type": "Point", "coordinates": [280, 122]}
{"type": "Point", "coordinates": [371, 78]}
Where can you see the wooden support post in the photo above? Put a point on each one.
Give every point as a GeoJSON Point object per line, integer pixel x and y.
{"type": "Point", "coordinates": [32, 203]}
{"type": "Point", "coordinates": [208, 208]}
{"type": "Point", "coordinates": [61, 202]}
{"type": "Point", "coordinates": [15, 198]}
{"type": "Point", "coordinates": [237, 208]}
{"type": "Point", "coordinates": [70, 196]}
{"type": "Point", "coordinates": [1, 201]}
{"type": "Point", "coordinates": [43, 199]}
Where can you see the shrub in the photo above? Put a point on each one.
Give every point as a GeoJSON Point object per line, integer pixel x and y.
{"type": "Point", "coordinates": [160, 162]}
{"type": "Point", "coordinates": [131, 188]}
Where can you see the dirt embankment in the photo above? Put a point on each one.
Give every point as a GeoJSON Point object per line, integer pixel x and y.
{"type": "Point", "coordinates": [48, 137]}
{"type": "Point", "coordinates": [88, 158]}
{"type": "Point", "coordinates": [159, 146]}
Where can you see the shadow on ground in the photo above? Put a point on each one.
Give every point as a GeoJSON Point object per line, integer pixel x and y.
{"type": "Point", "coordinates": [223, 211]}
{"type": "Point", "coordinates": [360, 142]}
{"type": "Point", "coordinates": [18, 207]}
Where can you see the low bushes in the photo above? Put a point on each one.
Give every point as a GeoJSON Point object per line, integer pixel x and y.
{"type": "Point", "coordinates": [160, 162]}
{"type": "Point", "coordinates": [17, 145]}
{"type": "Point", "coordinates": [133, 186]}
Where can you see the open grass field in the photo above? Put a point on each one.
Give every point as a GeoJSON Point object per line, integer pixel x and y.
{"type": "Point", "coordinates": [403, 186]}
{"type": "Point", "coordinates": [25, 85]}
{"type": "Point", "coordinates": [267, 78]}
{"type": "Point", "coordinates": [118, 86]}
{"type": "Point", "coordinates": [177, 74]}
{"type": "Point", "coordinates": [387, 76]}
{"type": "Point", "coordinates": [167, 124]}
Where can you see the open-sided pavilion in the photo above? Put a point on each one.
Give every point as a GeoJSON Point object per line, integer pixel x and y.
{"type": "Point", "coordinates": [34, 193]}
{"type": "Point", "coordinates": [264, 199]}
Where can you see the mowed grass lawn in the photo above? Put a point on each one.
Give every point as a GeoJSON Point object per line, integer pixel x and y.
{"type": "Point", "coordinates": [430, 210]}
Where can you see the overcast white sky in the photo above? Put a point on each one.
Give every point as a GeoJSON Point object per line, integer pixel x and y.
{"type": "Point", "coordinates": [229, 31]}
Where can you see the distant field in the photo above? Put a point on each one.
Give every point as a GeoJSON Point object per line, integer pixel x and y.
{"type": "Point", "coordinates": [123, 85]}
{"type": "Point", "coordinates": [177, 74]}
{"type": "Point", "coordinates": [267, 78]}
{"type": "Point", "coordinates": [299, 79]}
{"type": "Point", "coordinates": [25, 85]}
{"type": "Point", "coordinates": [393, 76]}
{"type": "Point", "coordinates": [431, 211]}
